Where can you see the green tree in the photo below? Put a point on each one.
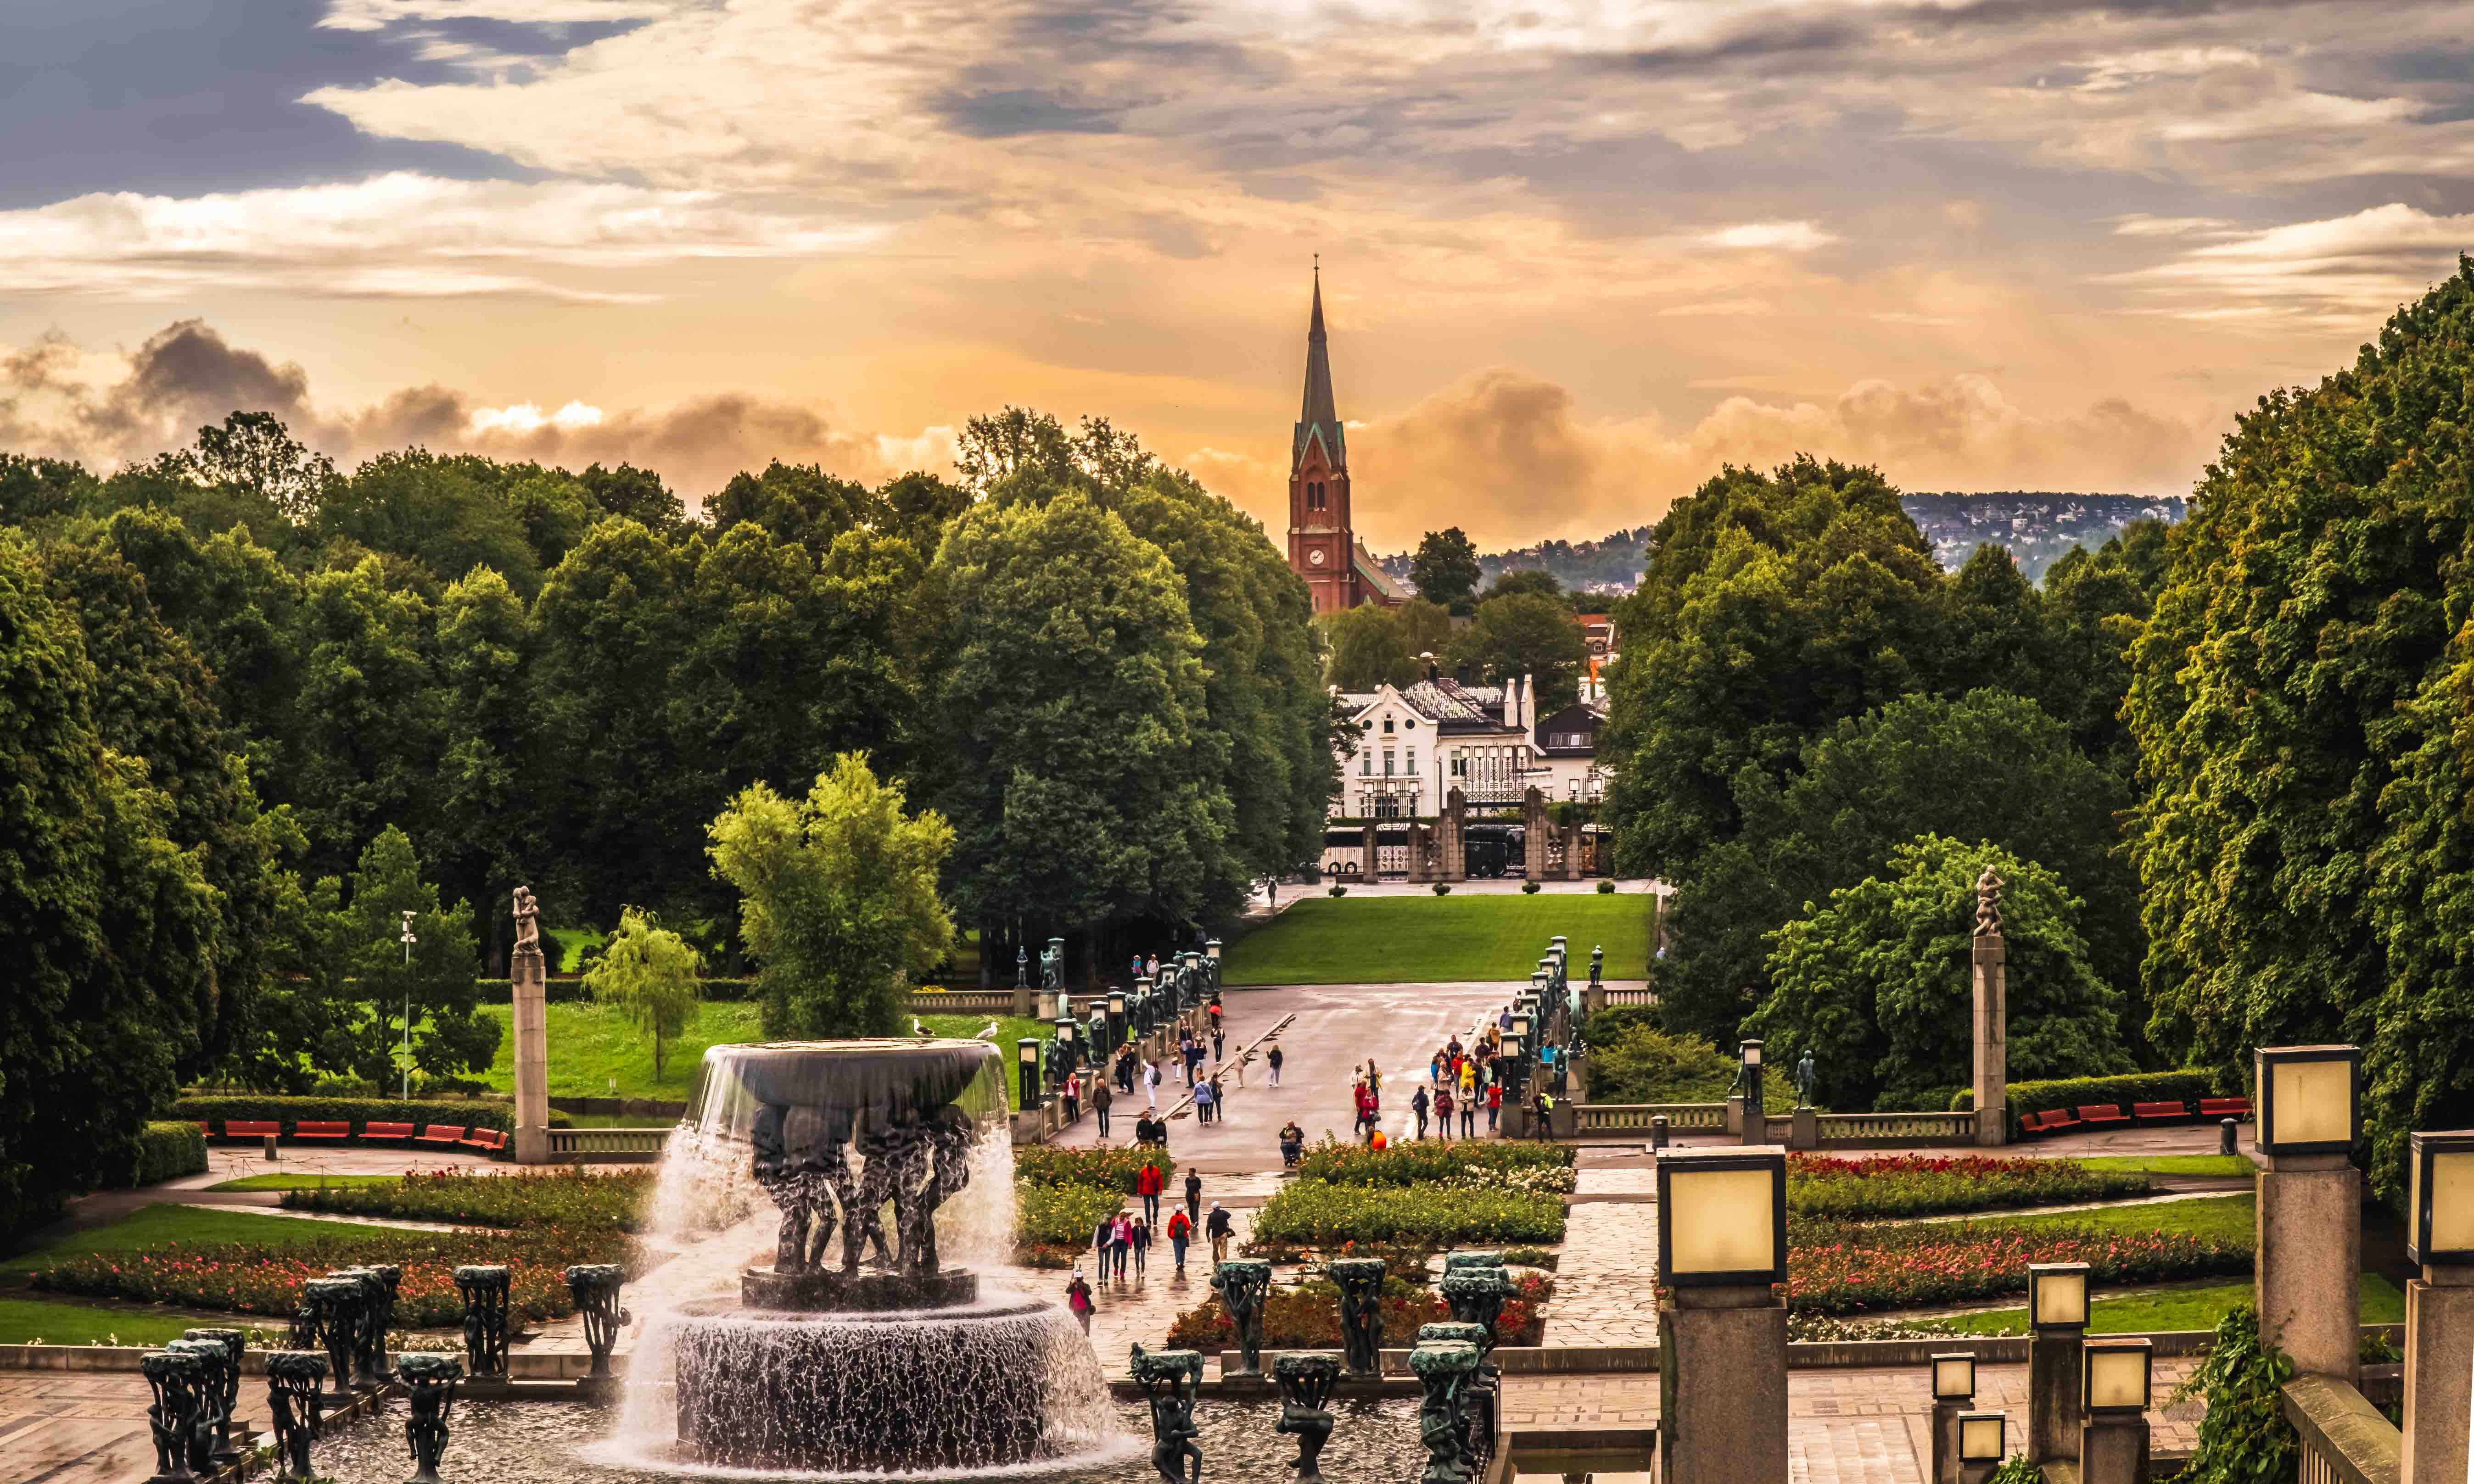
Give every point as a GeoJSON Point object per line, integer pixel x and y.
{"type": "Point", "coordinates": [433, 984]}
{"type": "Point", "coordinates": [1531, 582]}
{"type": "Point", "coordinates": [635, 494]}
{"type": "Point", "coordinates": [370, 723]}
{"type": "Point", "coordinates": [1525, 634]}
{"type": "Point", "coordinates": [1877, 983]}
{"type": "Point", "coordinates": [2299, 703]}
{"type": "Point", "coordinates": [441, 512]}
{"type": "Point", "coordinates": [1445, 571]}
{"type": "Point", "coordinates": [650, 974]}
{"type": "Point", "coordinates": [1366, 649]}
{"type": "Point", "coordinates": [2095, 604]}
{"type": "Point", "coordinates": [1989, 765]}
{"type": "Point", "coordinates": [485, 810]}
{"type": "Point", "coordinates": [796, 502]}
{"type": "Point", "coordinates": [838, 899]}
{"type": "Point", "coordinates": [1426, 628]}
{"type": "Point", "coordinates": [255, 452]}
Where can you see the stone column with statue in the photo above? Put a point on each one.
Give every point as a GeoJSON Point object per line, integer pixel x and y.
{"type": "Point", "coordinates": [1992, 1017]}
{"type": "Point", "coordinates": [527, 975]}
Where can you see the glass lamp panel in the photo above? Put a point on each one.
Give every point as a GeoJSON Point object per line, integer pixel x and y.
{"type": "Point", "coordinates": [1721, 1221]}
{"type": "Point", "coordinates": [2117, 1379]}
{"type": "Point", "coordinates": [1030, 1051]}
{"type": "Point", "coordinates": [2452, 1199]}
{"type": "Point", "coordinates": [1954, 1378]}
{"type": "Point", "coordinates": [2312, 1103]}
{"type": "Point", "coordinates": [1979, 1438]}
{"type": "Point", "coordinates": [2061, 1298]}
{"type": "Point", "coordinates": [1751, 1053]}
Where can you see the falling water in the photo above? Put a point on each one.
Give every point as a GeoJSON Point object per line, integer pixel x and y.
{"type": "Point", "coordinates": [1000, 1382]}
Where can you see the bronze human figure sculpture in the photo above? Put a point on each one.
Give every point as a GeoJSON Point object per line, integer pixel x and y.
{"type": "Point", "coordinates": [1306, 1382]}
{"type": "Point", "coordinates": [1169, 1378]}
{"type": "Point", "coordinates": [1361, 1312]}
{"type": "Point", "coordinates": [293, 1402]}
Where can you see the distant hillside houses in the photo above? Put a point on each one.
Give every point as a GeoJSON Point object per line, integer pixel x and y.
{"type": "Point", "coordinates": [2036, 526]}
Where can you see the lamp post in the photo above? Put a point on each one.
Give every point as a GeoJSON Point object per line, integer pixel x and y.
{"type": "Point", "coordinates": [1983, 1442]}
{"type": "Point", "coordinates": [1026, 1048]}
{"type": "Point", "coordinates": [2116, 1378]}
{"type": "Point", "coordinates": [1756, 1122]}
{"type": "Point", "coordinates": [1116, 1019]}
{"type": "Point", "coordinates": [1066, 1058]}
{"type": "Point", "coordinates": [2438, 1308]}
{"type": "Point", "coordinates": [408, 941]}
{"type": "Point", "coordinates": [1721, 1325]}
{"type": "Point", "coordinates": [2310, 1260]}
{"type": "Point", "coordinates": [1954, 1392]}
{"type": "Point", "coordinates": [2057, 1316]}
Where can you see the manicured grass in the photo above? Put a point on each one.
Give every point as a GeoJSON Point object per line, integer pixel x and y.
{"type": "Point", "coordinates": [2229, 1166]}
{"type": "Point", "coordinates": [303, 1181]}
{"type": "Point", "coordinates": [1433, 940]}
{"type": "Point", "coordinates": [2197, 1307]}
{"type": "Point", "coordinates": [1009, 1029]}
{"type": "Point", "coordinates": [590, 1044]}
{"type": "Point", "coordinates": [2230, 1218]}
{"type": "Point", "coordinates": [151, 1227]}
{"type": "Point", "coordinates": [25, 1321]}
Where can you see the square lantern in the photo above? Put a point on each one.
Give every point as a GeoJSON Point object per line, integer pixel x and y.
{"type": "Point", "coordinates": [1521, 1025]}
{"type": "Point", "coordinates": [1066, 1029]}
{"type": "Point", "coordinates": [2310, 1099]}
{"type": "Point", "coordinates": [1722, 1216]}
{"type": "Point", "coordinates": [1954, 1378]}
{"type": "Point", "coordinates": [2057, 1295]}
{"type": "Point", "coordinates": [1116, 1004]}
{"type": "Point", "coordinates": [2116, 1377]}
{"type": "Point", "coordinates": [1751, 1051]}
{"type": "Point", "coordinates": [1029, 1050]}
{"type": "Point", "coordinates": [2440, 1203]}
{"type": "Point", "coordinates": [1982, 1437]}
{"type": "Point", "coordinates": [1212, 949]}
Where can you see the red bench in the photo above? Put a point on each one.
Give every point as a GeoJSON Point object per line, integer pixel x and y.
{"type": "Point", "coordinates": [487, 1141]}
{"type": "Point", "coordinates": [336, 1132]}
{"type": "Point", "coordinates": [240, 1128]}
{"type": "Point", "coordinates": [2226, 1108]}
{"type": "Point", "coordinates": [441, 1134]}
{"type": "Point", "coordinates": [2095, 1114]}
{"type": "Point", "coordinates": [2161, 1112]}
{"type": "Point", "coordinates": [2048, 1121]}
{"type": "Point", "coordinates": [399, 1132]}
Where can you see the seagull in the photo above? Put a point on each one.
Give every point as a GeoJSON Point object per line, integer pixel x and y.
{"type": "Point", "coordinates": [918, 1029]}
{"type": "Point", "coordinates": [991, 1030]}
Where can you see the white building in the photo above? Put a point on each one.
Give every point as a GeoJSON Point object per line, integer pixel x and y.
{"type": "Point", "coordinates": [1416, 743]}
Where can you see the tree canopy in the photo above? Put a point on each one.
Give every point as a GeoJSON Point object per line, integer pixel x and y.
{"type": "Point", "coordinates": [1445, 570]}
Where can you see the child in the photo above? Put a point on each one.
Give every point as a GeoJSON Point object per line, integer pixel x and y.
{"type": "Point", "coordinates": [1077, 1297]}
{"type": "Point", "coordinates": [1142, 1245]}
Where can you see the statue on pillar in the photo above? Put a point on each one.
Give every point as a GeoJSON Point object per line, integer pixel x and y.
{"type": "Point", "coordinates": [1806, 1074]}
{"type": "Point", "coordinates": [1988, 904]}
{"type": "Point", "coordinates": [527, 920]}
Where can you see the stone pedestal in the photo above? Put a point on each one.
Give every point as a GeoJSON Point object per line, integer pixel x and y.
{"type": "Point", "coordinates": [1451, 835]}
{"type": "Point", "coordinates": [1735, 1118]}
{"type": "Point", "coordinates": [1806, 1134]}
{"type": "Point", "coordinates": [2114, 1451]}
{"type": "Point", "coordinates": [1992, 1045]}
{"type": "Point", "coordinates": [1419, 842]}
{"type": "Point", "coordinates": [2054, 1415]}
{"type": "Point", "coordinates": [1532, 834]}
{"type": "Point", "coordinates": [1722, 1386]}
{"type": "Point", "coordinates": [1573, 847]}
{"type": "Point", "coordinates": [1024, 1000]}
{"type": "Point", "coordinates": [2439, 1372]}
{"type": "Point", "coordinates": [1373, 862]}
{"type": "Point", "coordinates": [1945, 1443]}
{"type": "Point", "coordinates": [2310, 1260]}
{"type": "Point", "coordinates": [529, 975]}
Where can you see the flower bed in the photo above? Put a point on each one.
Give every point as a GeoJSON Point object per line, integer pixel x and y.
{"type": "Point", "coordinates": [1112, 1169]}
{"type": "Point", "coordinates": [566, 1198]}
{"type": "Point", "coordinates": [252, 1278]}
{"type": "Point", "coordinates": [1925, 1184]}
{"type": "Point", "coordinates": [1469, 1165]}
{"type": "Point", "coordinates": [1052, 1223]}
{"type": "Point", "coordinates": [1313, 1214]}
{"type": "Point", "coordinates": [1834, 1269]}
{"type": "Point", "coordinates": [1307, 1316]}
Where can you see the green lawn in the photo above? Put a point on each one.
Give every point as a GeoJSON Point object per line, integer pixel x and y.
{"type": "Point", "coordinates": [2227, 1217]}
{"type": "Point", "coordinates": [590, 1044]}
{"type": "Point", "coordinates": [2196, 1307]}
{"type": "Point", "coordinates": [303, 1181]}
{"type": "Point", "coordinates": [2229, 1165]}
{"type": "Point", "coordinates": [151, 1227]}
{"type": "Point", "coordinates": [25, 1321]}
{"type": "Point", "coordinates": [1430, 940]}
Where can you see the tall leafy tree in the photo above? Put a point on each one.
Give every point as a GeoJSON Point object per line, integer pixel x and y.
{"type": "Point", "coordinates": [431, 985]}
{"type": "Point", "coordinates": [796, 502]}
{"type": "Point", "coordinates": [485, 800]}
{"type": "Point", "coordinates": [1445, 570]}
{"type": "Point", "coordinates": [1366, 647]}
{"type": "Point", "coordinates": [837, 899]}
{"type": "Point", "coordinates": [1527, 634]}
{"type": "Point", "coordinates": [372, 715]}
{"type": "Point", "coordinates": [441, 512]}
{"type": "Point", "coordinates": [650, 974]}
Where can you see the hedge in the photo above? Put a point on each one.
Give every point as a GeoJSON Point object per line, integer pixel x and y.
{"type": "Point", "coordinates": [1109, 1168]}
{"type": "Point", "coordinates": [571, 989]}
{"type": "Point", "coordinates": [168, 1151]}
{"type": "Point", "coordinates": [1521, 1164]}
{"type": "Point", "coordinates": [359, 1112]}
{"type": "Point", "coordinates": [1922, 1184]}
{"type": "Point", "coordinates": [2029, 1098]}
{"type": "Point", "coordinates": [561, 1198]}
{"type": "Point", "coordinates": [1308, 1213]}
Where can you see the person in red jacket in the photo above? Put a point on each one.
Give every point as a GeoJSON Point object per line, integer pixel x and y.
{"type": "Point", "coordinates": [1147, 1184]}
{"type": "Point", "coordinates": [1180, 1230]}
{"type": "Point", "coordinates": [1494, 1104]}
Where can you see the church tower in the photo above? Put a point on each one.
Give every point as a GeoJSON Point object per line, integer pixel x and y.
{"type": "Point", "coordinates": [1323, 547]}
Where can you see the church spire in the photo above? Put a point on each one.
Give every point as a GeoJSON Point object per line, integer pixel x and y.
{"type": "Point", "coordinates": [1319, 418]}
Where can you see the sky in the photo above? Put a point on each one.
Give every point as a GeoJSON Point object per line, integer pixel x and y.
{"type": "Point", "coordinates": [1577, 255]}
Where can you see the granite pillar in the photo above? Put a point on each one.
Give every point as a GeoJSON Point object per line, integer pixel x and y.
{"type": "Point", "coordinates": [1992, 1044]}
{"type": "Point", "coordinates": [2439, 1376]}
{"type": "Point", "coordinates": [529, 974]}
{"type": "Point", "coordinates": [1452, 833]}
{"type": "Point", "coordinates": [1532, 834]}
{"type": "Point", "coordinates": [1944, 1442]}
{"type": "Point", "coordinates": [2114, 1451]}
{"type": "Point", "coordinates": [1722, 1386]}
{"type": "Point", "coordinates": [2055, 1414]}
{"type": "Point", "coordinates": [2310, 1272]}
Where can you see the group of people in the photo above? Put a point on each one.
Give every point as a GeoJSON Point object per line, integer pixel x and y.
{"type": "Point", "coordinates": [1125, 1239]}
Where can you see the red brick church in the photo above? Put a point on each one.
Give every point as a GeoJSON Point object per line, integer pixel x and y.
{"type": "Point", "coordinates": [1324, 548]}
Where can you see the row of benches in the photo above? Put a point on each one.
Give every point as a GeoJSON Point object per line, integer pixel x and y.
{"type": "Point", "coordinates": [437, 1134]}
{"type": "Point", "coordinates": [2099, 1115]}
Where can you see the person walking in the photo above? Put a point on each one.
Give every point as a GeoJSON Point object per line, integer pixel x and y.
{"type": "Point", "coordinates": [1142, 1246]}
{"type": "Point", "coordinates": [1443, 1112]}
{"type": "Point", "coordinates": [1272, 1059]}
{"type": "Point", "coordinates": [1218, 1228]}
{"type": "Point", "coordinates": [1468, 1103]}
{"type": "Point", "coordinates": [1103, 1237]}
{"type": "Point", "coordinates": [1180, 1230]}
{"type": "Point", "coordinates": [1417, 1106]}
{"type": "Point", "coordinates": [1544, 1108]}
{"type": "Point", "coordinates": [1435, 1070]}
{"type": "Point", "coordinates": [1494, 1103]}
{"type": "Point", "coordinates": [1205, 1096]}
{"type": "Point", "coordinates": [1218, 1053]}
{"type": "Point", "coordinates": [1101, 1097]}
{"type": "Point", "coordinates": [1073, 1099]}
{"type": "Point", "coordinates": [1153, 971]}
{"type": "Point", "coordinates": [1151, 1084]}
{"type": "Point", "coordinates": [1077, 1297]}
{"type": "Point", "coordinates": [1148, 1182]}
{"type": "Point", "coordinates": [1193, 1197]}
{"type": "Point", "coordinates": [1193, 1060]}
{"type": "Point", "coordinates": [1122, 1244]}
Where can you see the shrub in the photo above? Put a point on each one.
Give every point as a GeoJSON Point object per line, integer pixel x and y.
{"type": "Point", "coordinates": [256, 1278]}
{"type": "Point", "coordinates": [1529, 888]}
{"type": "Point", "coordinates": [1312, 1213]}
{"type": "Point", "coordinates": [1062, 1216]}
{"type": "Point", "coordinates": [1101, 1169]}
{"type": "Point", "coordinates": [568, 1197]}
{"type": "Point", "coordinates": [1512, 1164]}
{"type": "Point", "coordinates": [2244, 1438]}
{"type": "Point", "coordinates": [1836, 1269]}
{"type": "Point", "coordinates": [359, 1112]}
{"type": "Point", "coordinates": [168, 1151]}
{"type": "Point", "coordinates": [1442, 888]}
{"type": "Point", "coordinates": [1606, 888]}
{"type": "Point", "coordinates": [1927, 1185]}
{"type": "Point", "coordinates": [1338, 891]}
{"type": "Point", "coordinates": [2028, 1098]}
{"type": "Point", "coordinates": [1307, 1316]}
{"type": "Point", "coordinates": [1631, 1061]}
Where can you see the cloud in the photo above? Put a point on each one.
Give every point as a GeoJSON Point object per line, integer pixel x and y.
{"type": "Point", "coordinates": [394, 235]}
{"type": "Point", "coordinates": [1788, 236]}
{"type": "Point", "coordinates": [379, 14]}
{"type": "Point", "coordinates": [62, 402]}
{"type": "Point", "coordinates": [2341, 269]}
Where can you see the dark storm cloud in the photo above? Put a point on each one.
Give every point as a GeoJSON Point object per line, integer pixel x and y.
{"type": "Point", "coordinates": [1021, 110]}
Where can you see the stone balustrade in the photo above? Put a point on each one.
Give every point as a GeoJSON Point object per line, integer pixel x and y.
{"type": "Point", "coordinates": [2345, 1438]}
{"type": "Point", "coordinates": [1611, 1118]}
{"type": "Point", "coordinates": [611, 1146]}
